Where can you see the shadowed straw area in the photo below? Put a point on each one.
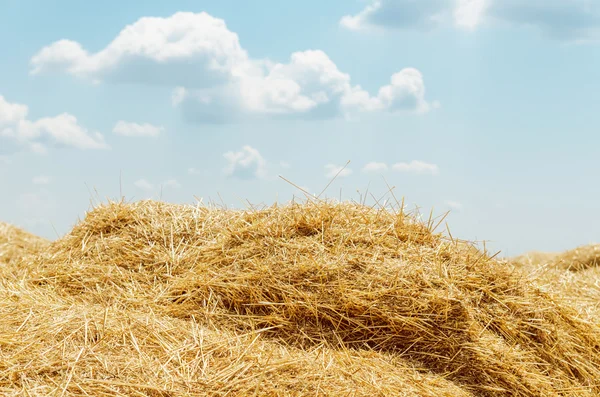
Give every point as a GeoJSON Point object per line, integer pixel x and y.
{"type": "Point", "coordinates": [304, 299]}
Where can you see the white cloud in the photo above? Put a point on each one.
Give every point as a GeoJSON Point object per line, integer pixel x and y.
{"type": "Point", "coordinates": [245, 164]}
{"type": "Point", "coordinates": [41, 180]}
{"type": "Point", "coordinates": [561, 19]}
{"type": "Point", "coordinates": [214, 79]}
{"type": "Point", "coordinates": [375, 167]}
{"type": "Point", "coordinates": [284, 164]}
{"type": "Point", "coordinates": [195, 171]}
{"type": "Point", "coordinates": [417, 167]}
{"type": "Point", "coordinates": [468, 13]}
{"type": "Point", "coordinates": [331, 170]}
{"type": "Point", "coordinates": [136, 130]}
{"type": "Point", "coordinates": [406, 91]}
{"type": "Point", "coordinates": [389, 14]}
{"type": "Point", "coordinates": [11, 113]}
{"type": "Point", "coordinates": [5, 160]}
{"type": "Point", "coordinates": [144, 185]}
{"type": "Point", "coordinates": [576, 20]}
{"type": "Point", "coordinates": [61, 130]}
{"type": "Point", "coordinates": [171, 183]}
{"type": "Point", "coordinates": [200, 50]}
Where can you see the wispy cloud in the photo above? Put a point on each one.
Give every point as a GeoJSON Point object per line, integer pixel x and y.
{"type": "Point", "coordinates": [125, 128]}
{"type": "Point", "coordinates": [148, 186]}
{"type": "Point", "coordinates": [417, 167]}
{"type": "Point", "coordinates": [375, 167]}
{"type": "Point", "coordinates": [196, 171]}
{"type": "Point", "coordinates": [41, 180]}
{"type": "Point", "coordinates": [573, 20]}
{"type": "Point", "coordinates": [144, 185]}
{"type": "Point", "coordinates": [172, 183]}
{"type": "Point", "coordinates": [331, 170]}
{"type": "Point", "coordinates": [454, 205]}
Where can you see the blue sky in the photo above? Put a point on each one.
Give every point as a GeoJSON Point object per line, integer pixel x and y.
{"type": "Point", "coordinates": [486, 108]}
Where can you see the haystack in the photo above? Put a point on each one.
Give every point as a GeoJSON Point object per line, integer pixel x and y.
{"type": "Point", "coordinates": [578, 259]}
{"type": "Point", "coordinates": [16, 243]}
{"type": "Point", "coordinates": [572, 276]}
{"type": "Point", "coordinates": [318, 298]}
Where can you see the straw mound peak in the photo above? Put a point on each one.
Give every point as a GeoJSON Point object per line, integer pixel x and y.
{"type": "Point", "coordinates": [578, 259]}
{"type": "Point", "coordinates": [15, 243]}
{"type": "Point", "coordinates": [581, 258]}
{"type": "Point", "coordinates": [573, 275]}
{"type": "Point", "coordinates": [318, 281]}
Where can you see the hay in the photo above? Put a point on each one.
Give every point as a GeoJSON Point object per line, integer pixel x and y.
{"type": "Point", "coordinates": [580, 258]}
{"type": "Point", "coordinates": [572, 276]}
{"type": "Point", "coordinates": [16, 243]}
{"type": "Point", "coordinates": [307, 299]}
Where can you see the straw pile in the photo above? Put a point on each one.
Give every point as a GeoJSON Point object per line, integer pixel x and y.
{"type": "Point", "coordinates": [16, 243]}
{"type": "Point", "coordinates": [573, 275]}
{"type": "Point", "coordinates": [307, 299]}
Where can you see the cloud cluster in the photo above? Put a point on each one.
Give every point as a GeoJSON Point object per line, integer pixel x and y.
{"type": "Point", "coordinates": [215, 80]}
{"type": "Point", "coordinates": [16, 131]}
{"type": "Point", "coordinates": [560, 19]}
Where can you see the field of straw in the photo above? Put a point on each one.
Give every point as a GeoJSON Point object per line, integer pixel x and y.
{"type": "Point", "coordinates": [315, 299]}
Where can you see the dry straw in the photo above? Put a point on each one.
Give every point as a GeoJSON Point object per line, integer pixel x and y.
{"type": "Point", "coordinates": [154, 299]}
{"type": "Point", "coordinates": [573, 276]}
{"type": "Point", "coordinates": [16, 243]}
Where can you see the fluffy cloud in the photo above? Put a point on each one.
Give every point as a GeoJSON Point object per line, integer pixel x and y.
{"type": "Point", "coordinates": [11, 113]}
{"type": "Point", "coordinates": [247, 163]}
{"type": "Point", "coordinates": [331, 170]}
{"type": "Point", "coordinates": [61, 130]}
{"type": "Point", "coordinates": [187, 42]}
{"type": "Point", "coordinates": [562, 19]}
{"type": "Point", "coordinates": [214, 79]}
{"type": "Point", "coordinates": [375, 167]}
{"type": "Point", "coordinates": [41, 180]}
{"type": "Point", "coordinates": [136, 130]}
{"type": "Point", "coordinates": [417, 167]}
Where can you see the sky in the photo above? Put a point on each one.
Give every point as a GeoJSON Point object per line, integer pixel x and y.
{"type": "Point", "coordinates": [486, 109]}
